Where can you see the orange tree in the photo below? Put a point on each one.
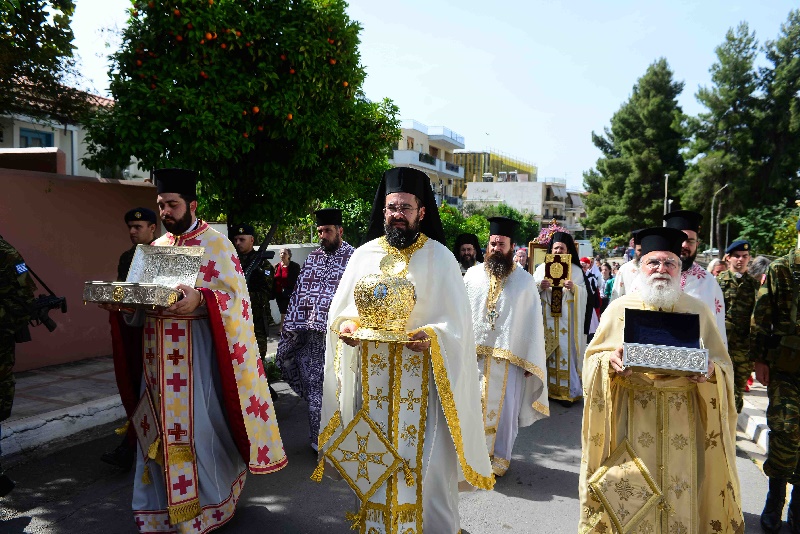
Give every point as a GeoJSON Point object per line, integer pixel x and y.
{"type": "Point", "coordinates": [262, 97]}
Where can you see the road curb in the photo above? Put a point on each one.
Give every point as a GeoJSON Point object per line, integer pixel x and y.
{"type": "Point", "coordinates": [28, 434]}
{"type": "Point", "coordinates": [753, 423]}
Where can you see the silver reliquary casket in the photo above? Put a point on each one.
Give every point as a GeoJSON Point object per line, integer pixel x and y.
{"type": "Point", "coordinates": [664, 343]}
{"type": "Point", "coordinates": [151, 281]}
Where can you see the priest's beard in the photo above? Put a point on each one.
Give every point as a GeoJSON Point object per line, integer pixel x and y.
{"type": "Point", "coordinates": [178, 226]}
{"type": "Point", "coordinates": [401, 237]}
{"type": "Point", "coordinates": [467, 260]}
{"type": "Point", "coordinates": [659, 290]}
{"type": "Point", "coordinates": [330, 246]}
{"type": "Point", "coordinates": [687, 260]}
{"type": "Point", "coordinates": [499, 264]}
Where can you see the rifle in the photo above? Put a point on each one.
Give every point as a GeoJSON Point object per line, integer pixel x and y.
{"type": "Point", "coordinates": [39, 311]}
{"type": "Point", "coordinates": [261, 253]}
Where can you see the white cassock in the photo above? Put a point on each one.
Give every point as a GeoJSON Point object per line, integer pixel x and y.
{"type": "Point", "coordinates": [515, 345]}
{"type": "Point", "coordinates": [451, 447]}
{"type": "Point", "coordinates": [702, 285]}
{"type": "Point", "coordinates": [565, 363]}
{"type": "Point", "coordinates": [625, 280]}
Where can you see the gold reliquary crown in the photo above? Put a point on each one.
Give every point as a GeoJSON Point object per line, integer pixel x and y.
{"type": "Point", "coordinates": [384, 302]}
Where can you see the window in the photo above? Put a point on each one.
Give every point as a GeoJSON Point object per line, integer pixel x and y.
{"type": "Point", "coordinates": [34, 139]}
{"type": "Point", "coordinates": [409, 143]}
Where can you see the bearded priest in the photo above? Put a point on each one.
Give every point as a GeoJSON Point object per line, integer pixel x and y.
{"type": "Point", "coordinates": [659, 450]}
{"type": "Point", "coordinates": [416, 386]}
{"type": "Point", "coordinates": [509, 338]}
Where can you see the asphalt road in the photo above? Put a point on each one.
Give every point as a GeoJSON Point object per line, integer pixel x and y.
{"type": "Point", "coordinates": [71, 491]}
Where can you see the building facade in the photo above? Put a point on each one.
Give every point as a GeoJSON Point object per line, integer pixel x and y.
{"type": "Point", "coordinates": [545, 200]}
{"type": "Point", "coordinates": [430, 149]}
{"type": "Point", "coordinates": [487, 165]}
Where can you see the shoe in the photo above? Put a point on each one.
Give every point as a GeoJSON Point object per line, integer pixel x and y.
{"type": "Point", "coordinates": [122, 457]}
{"type": "Point", "coordinates": [565, 403]}
{"type": "Point", "coordinates": [773, 509]}
{"type": "Point", "coordinates": [6, 485]}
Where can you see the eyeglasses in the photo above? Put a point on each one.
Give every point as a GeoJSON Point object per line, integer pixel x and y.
{"type": "Point", "coordinates": [405, 209]}
{"type": "Point", "coordinates": [668, 264]}
{"type": "Point", "coordinates": [691, 241]}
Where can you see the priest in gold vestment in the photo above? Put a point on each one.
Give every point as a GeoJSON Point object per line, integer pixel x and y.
{"type": "Point", "coordinates": [670, 440]}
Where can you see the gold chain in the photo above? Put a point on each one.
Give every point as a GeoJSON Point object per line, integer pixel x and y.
{"type": "Point", "coordinates": [404, 253]}
{"type": "Point", "coordinates": [496, 285]}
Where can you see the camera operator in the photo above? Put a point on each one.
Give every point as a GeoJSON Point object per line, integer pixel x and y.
{"type": "Point", "coordinates": [16, 297]}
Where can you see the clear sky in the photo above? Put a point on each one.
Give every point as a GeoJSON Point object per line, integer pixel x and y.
{"type": "Point", "coordinates": [529, 78]}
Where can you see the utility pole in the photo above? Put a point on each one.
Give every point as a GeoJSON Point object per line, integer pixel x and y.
{"type": "Point", "coordinates": [711, 230]}
{"type": "Point", "coordinates": [666, 189]}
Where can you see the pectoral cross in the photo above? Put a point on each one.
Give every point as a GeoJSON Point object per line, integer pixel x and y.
{"type": "Point", "coordinates": [491, 316]}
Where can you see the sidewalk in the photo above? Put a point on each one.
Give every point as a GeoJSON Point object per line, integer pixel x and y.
{"type": "Point", "coordinates": [56, 403]}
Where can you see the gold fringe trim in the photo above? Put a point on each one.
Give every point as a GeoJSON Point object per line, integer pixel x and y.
{"type": "Point", "coordinates": [406, 516]}
{"type": "Point", "coordinates": [123, 429]}
{"type": "Point", "coordinates": [152, 451]}
{"type": "Point", "coordinates": [184, 512]}
{"type": "Point", "coordinates": [179, 454]}
{"type": "Point", "coordinates": [146, 479]}
{"type": "Point", "coordinates": [375, 516]}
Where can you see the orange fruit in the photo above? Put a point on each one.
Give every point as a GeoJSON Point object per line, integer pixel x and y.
{"type": "Point", "coordinates": [179, 38]}
{"type": "Point", "coordinates": [223, 46]}
{"type": "Point", "coordinates": [209, 36]}
{"type": "Point", "coordinates": [289, 116]}
{"type": "Point", "coordinates": [177, 12]}
{"type": "Point", "coordinates": [244, 112]}
{"type": "Point", "coordinates": [238, 34]}
{"type": "Point", "coordinates": [291, 71]}
{"type": "Point", "coordinates": [246, 135]}
{"type": "Point", "coordinates": [138, 62]}
{"type": "Point", "coordinates": [260, 128]}
{"type": "Point", "coordinates": [332, 61]}
{"type": "Point", "coordinates": [283, 57]}
{"type": "Point", "coordinates": [255, 109]}
{"type": "Point", "coordinates": [202, 41]}
{"type": "Point", "coordinates": [345, 84]}
{"type": "Point", "coordinates": [152, 86]}
{"type": "Point", "coordinates": [189, 26]}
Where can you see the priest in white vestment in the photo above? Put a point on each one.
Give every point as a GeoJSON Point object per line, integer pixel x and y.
{"type": "Point", "coordinates": [434, 423]}
{"type": "Point", "coordinates": [658, 450]}
{"type": "Point", "coordinates": [509, 337]}
{"type": "Point", "coordinates": [565, 361]}
{"type": "Point", "coordinates": [695, 280]}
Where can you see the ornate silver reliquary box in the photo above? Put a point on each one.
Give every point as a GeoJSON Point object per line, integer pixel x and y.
{"type": "Point", "coordinates": [153, 275]}
{"type": "Point", "coordinates": [664, 343]}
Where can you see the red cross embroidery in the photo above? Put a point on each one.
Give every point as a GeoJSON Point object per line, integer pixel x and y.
{"type": "Point", "coordinates": [149, 331]}
{"type": "Point", "coordinates": [193, 242]}
{"type": "Point", "coordinates": [237, 264]}
{"type": "Point", "coordinates": [254, 405]}
{"type": "Point", "coordinates": [182, 484]}
{"type": "Point", "coordinates": [245, 305]}
{"type": "Point", "coordinates": [209, 272]}
{"type": "Point", "coordinates": [260, 367]}
{"type": "Point", "coordinates": [150, 355]}
{"type": "Point", "coordinates": [223, 299]}
{"type": "Point", "coordinates": [263, 455]}
{"type": "Point", "coordinates": [197, 523]}
{"type": "Point", "coordinates": [145, 425]}
{"type": "Point", "coordinates": [176, 332]}
{"type": "Point", "coordinates": [175, 357]}
{"type": "Point", "coordinates": [219, 514]}
{"type": "Point", "coordinates": [176, 431]}
{"type": "Point", "coordinates": [139, 522]}
{"type": "Point", "coordinates": [176, 382]}
{"type": "Point", "coordinates": [239, 351]}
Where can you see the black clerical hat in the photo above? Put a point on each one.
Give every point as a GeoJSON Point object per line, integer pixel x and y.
{"type": "Point", "coordinates": [683, 220]}
{"type": "Point", "coordinates": [662, 238]}
{"type": "Point", "coordinates": [141, 214]}
{"type": "Point", "coordinates": [407, 180]}
{"type": "Point", "coordinates": [240, 229]}
{"type": "Point", "coordinates": [502, 226]}
{"type": "Point", "coordinates": [329, 216]}
{"type": "Point", "coordinates": [181, 181]}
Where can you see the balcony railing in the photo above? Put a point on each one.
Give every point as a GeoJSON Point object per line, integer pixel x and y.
{"type": "Point", "coordinates": [445, 132]}
{"type": "Point", "coordinates": [451, 166]}
{"type": "Point", "coordinates": [427, 158]}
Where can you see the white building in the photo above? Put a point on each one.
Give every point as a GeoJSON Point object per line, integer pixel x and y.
{"type": "Point", "coordinates": [545, 200]}
{"type": "Point", "coordinates": [430, 149]}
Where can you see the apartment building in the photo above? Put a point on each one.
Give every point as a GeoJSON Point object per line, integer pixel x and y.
{"type": "Point", "coordinates": [430, 149]}
{"type": "Point", "coordinates": [480, 166]}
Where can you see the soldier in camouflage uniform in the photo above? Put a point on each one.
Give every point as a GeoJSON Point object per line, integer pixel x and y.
{"type": "Point", "coordinates": [775, 327]}
{"type": "Point", "coordinates": [259, 283]}
{"type": "Point", "coordinates": [16, 296]}
{"type": "Point", "coordinates": [739, 290]}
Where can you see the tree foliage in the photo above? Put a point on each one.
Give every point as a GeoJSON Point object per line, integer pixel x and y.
{"type": "Point", "coordinates": [642, 144]}
{"type": "Point", "coordinates": [761, 224]}
{"type": "Point", "coordinates": [37, 66]}
{"type": "Point", "coordinates": [476, 221]}
{"type": "Point", "coordinates": [262, 97]}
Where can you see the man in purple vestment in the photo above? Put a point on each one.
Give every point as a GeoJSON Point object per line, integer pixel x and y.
{"type": "Point", "coordinates": [301, 351]}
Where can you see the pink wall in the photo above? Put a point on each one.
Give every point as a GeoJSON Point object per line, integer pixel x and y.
{"type": "Point", "coordinates": [69, 229]}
